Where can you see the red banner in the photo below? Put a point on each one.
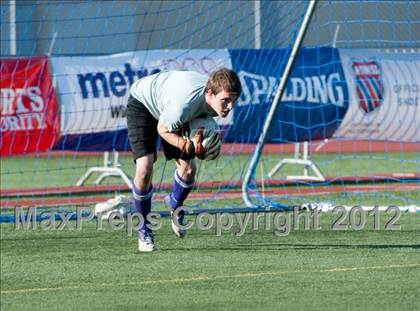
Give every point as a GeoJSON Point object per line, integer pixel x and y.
{"type": "Point", "coordinates": [30, 119]}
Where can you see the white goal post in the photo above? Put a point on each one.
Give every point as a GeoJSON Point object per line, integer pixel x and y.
{"type": "Point", "coordinates": [267, 123]}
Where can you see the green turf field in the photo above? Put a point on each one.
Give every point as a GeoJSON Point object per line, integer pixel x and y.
{"type": "Point", "coordinates": [306, 270]}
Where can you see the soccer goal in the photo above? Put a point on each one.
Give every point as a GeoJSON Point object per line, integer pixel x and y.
{"type": "Point", "coordinates": [329, 111]}
{"type": "Point", "coordinates": [359, 115]}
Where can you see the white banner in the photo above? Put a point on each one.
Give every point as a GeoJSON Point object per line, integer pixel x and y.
{"type": "Point", "coordinates": [93, 90]}
{"type": "Point", "coordinates": [384, 92]}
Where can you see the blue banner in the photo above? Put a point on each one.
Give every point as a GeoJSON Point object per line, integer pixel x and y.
{"type": "Point", "coordinates": [313, 104]}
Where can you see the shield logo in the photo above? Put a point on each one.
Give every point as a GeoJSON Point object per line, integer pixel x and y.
{"type": "Point", "coordinates": [369, 84]}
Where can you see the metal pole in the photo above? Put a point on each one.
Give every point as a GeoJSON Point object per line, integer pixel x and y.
{"type": "Point", "coordinates": [276, 101]}
{"type": "Point", "coordinates": [52, 43]}
{"type": "Point", "coordinates": [337, 29]}
{"type": "Point", "coordinates": [257, 23]}
{"type": "Point", "coordinates": [12, 26]}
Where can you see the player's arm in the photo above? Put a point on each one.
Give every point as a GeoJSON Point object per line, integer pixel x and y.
{"type": "Point", "coordinates": [171, 121]}
{"type": "Point", "coordinates": [191, 147]}
{"type": "Point", "coordinates": [171, 137]}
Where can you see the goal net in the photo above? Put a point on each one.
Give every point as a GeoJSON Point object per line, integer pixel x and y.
{"type": "Point", "coordinates": [344, 130]}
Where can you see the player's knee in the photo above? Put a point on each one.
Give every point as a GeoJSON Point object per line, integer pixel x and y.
{"type": "Point", "coordinates": [142, 180]}
{"type": "Point", "coordinates": [190, 171]}
{"type": "Point", "coordinates": [186, 169]}
{"type": "Point", "coordinates": [144, 172]}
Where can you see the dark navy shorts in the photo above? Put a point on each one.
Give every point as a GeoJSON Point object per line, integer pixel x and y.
{"type": "Point", "coordinates": [143, 134]}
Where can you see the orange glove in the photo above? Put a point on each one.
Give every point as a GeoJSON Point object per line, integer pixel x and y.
{"type": "Point", "coordinates": [200, 151]}
{"type": "Point", "coordinates": [187, 149]}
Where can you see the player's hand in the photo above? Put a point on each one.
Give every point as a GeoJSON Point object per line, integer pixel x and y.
{"type": "Point", "coordinates": [187, 149]}
{"type": "Point", "coordinates": [200, 151]}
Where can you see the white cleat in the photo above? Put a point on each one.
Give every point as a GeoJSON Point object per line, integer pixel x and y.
{"type": "Point", "coordinates": [146, 241]}
{"type": "Point", "coordinates": [180, 233]}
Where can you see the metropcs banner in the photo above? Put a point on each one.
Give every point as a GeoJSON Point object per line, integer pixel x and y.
{"type": "Point", "coordinates": [30, 119]}
{"type": "Point", "coordinates": [384, 96]}
{"type": "Point", "coordinates": [94, 91]}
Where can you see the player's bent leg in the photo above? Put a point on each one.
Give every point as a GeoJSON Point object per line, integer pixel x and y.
{"type": "Point", "coordinates": [186, 169]}
{"type": "Point", "coordinates": [183, 183]}
{"type": "Point", "coordinates": [142, 193]}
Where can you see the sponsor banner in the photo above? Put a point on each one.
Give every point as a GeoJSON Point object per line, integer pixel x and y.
{"type": "Point", "coordinates": [94, 90]}
{"type": "Point", "coordinates": [313, 104]}
{"type": "Point", "coordinates": [101, 141]}
{"type": "Point", "coordinates": [384, 96]}
{"type": "Point", "coordinates": [30, 120]}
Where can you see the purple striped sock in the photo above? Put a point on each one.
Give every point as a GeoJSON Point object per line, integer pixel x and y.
{"type": "Point", "coordinates": [143, 203]}
{"type": "Point", "coordinates": [180, 191]}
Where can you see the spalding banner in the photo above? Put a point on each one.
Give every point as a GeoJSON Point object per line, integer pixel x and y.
{"type": "Point", "coordinates": [30, 120]}
{"type": "Point", "coordinates": [313, 104]}
{"type": "Point", "coordinates": [384, 96]}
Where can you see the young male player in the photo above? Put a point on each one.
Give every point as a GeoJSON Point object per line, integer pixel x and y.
{"type": "Point", "coordinates": [162, 104]}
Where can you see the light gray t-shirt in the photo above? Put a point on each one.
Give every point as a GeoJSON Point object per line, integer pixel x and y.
{"type": "Point", "coordinates": [174, 97]}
